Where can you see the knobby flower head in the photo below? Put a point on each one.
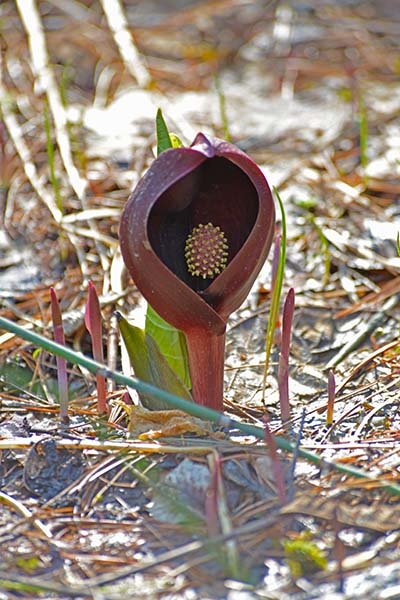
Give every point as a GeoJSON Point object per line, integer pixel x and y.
{"type": "Point", "coordinates": [205, 251]}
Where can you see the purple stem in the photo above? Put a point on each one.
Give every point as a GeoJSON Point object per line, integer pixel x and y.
{"type": "Point", "coordinates": [206, 361]}
{"type": "Point", "coordinates": [93, 324]}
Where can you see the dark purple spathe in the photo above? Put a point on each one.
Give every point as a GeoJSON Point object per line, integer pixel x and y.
{"type": "Point", "coordinates": [212, 181]}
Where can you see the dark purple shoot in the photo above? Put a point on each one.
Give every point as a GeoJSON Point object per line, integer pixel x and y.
{"type": "Point", "coordinates": [331, 397]}
{"type": "Point", "coordinates": [93, 322]}
{"type": "Point", "coordinates": [59, 337]}
{"type": "Point", "coordinates": [283, 370]}
{"type": "Point", "coordinates": [276, 463]}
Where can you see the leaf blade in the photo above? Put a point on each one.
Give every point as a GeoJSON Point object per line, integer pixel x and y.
{"type": "Point", "coordinates": [172, 344]}
{"type": "Point", "coordinates": [150, 365]}
{"type": "Point", "coordinates": [163, 138]}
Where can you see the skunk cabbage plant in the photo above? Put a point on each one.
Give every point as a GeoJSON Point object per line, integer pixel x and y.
{"type": "Point", "coordinates": [194, 235]}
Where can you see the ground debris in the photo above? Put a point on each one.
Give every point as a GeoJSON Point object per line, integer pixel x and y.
{"type": "Point", "coordinates": [174, 508]}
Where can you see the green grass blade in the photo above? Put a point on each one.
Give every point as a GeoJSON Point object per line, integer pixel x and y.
{"type": "Point", "coordinates": [51, 160]}
{"type": "Point", "coordinates": [222, 109]}
{"type": "Point", "coordinates": [150, 364]}
{"type": "Point", "coordinates": [324, 248]}
{"type": "Point", "coordinates": [276, 293]}
{"type": "Point", "coordinates": [363, 132]}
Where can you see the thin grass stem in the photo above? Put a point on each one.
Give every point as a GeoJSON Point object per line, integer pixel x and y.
{"type": "Point", "coordinates": [50, 157]}
{"type": "Point", "coordinates": [276, 294]}
{"type": "Point", "coordinates": [222, 109]}
{"type": "Point", "coordinates": [331, 397]}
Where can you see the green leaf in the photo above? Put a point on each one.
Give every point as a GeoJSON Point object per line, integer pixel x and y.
{"type": "Point", "coordinates": [363, 133]}
{"type": "Point", "coordinates": [304, 557]}
{"type": "Point", "coordinates": [29, 564]}
{"type": "Point", "coordinates": [150, 365]}
{"type": "Point", "coordinates": [14, 375]}
{"type": "Point", "coordinates": [163, 138]}
{"type": "Point", "coordinates": [171, 342]}
{"type": "Point", "coordinates": [175, 141]}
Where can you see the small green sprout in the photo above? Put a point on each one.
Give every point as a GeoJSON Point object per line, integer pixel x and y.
{"type": "Point", "coordinates": [303, 556]}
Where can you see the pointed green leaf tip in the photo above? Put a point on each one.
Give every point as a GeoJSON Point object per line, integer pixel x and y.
{"type": "Point", "coordinates": [165, 139]}
{"type": "Point", "coordinates": [175, 141]}
{"type": "Point", "coordinates": [150, 365]}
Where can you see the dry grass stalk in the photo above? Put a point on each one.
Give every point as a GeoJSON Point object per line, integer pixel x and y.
{"type": "Point", "coordinates": [120, 29]}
